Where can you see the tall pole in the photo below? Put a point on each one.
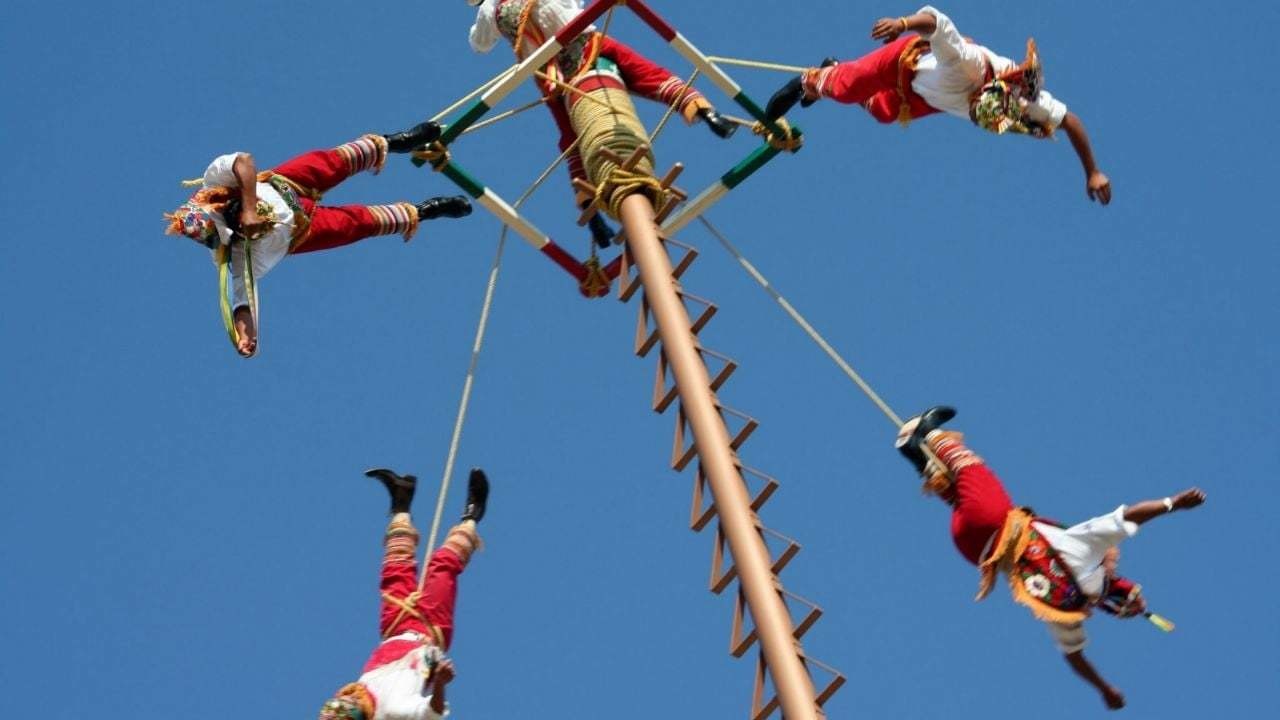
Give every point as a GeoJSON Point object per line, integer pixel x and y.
{"type": "Point", "coordinates": [711, 439]}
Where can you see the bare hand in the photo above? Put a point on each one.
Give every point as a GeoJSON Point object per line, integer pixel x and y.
{"type": "Point", "coordinates": [887, 29]}
{"type": "Point", "coordinates": [1188, 499]}
{"type": "Point", "coordinates": [251, 223]}
{"type": "Point", "coordinates": [1099, 187]}
{"type": "Point", "coordinates": [443, 673]}
{"type": "Point", "coordinates": [246, 333]}
{"type": "Point", "coordinates": [1113, 698]}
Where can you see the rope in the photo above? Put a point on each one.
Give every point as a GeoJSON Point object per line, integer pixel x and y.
{"type": "Point", "coordinates": [619, 130]}
{"type": "Point", "coordinates": [436, 154]}
{"type": "Point", "coordinates": [756, 64]}
{"type": "Point", "coordinates": [472, 95]}
{"type": "Point", "coordinates": [679, 101]}
{"type": "Point", "coordinates": [465, 402]}
{"type": "Point", "coordinates": [477, 345]}
{"type": "Point", "coordinates": [503, 116]}
{"type": "Point", "coordinates": [788, 142]}
{"type": "Point", "coordinates": [804, 325]}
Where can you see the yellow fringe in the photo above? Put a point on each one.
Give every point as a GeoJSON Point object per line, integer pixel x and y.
{"type": "Point", "coordinates": [1010, 544]}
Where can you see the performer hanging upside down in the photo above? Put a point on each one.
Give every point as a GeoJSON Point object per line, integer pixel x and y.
{"type": "Point", "coordinates": [406, 675]}
{"type": "Point", "coordinates": [938, 70]}
{"type": "Point", "coordinates": [589, 62]}
{"type": "Point", "coordinates": [279, 211]}
{"type": "Point", "coordinates": [1060, 573]}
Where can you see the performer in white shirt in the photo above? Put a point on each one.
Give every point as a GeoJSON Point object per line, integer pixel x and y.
{"type": "Point", "coordinates": [1059, 573]}
{"type": "Point", "coordinates": [278, 210]}
{"type": "Point", "coordinates": [939, 70]}
{"type": "Point", "coordinates": [406, 675]}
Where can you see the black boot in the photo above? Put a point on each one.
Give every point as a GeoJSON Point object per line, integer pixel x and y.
{"type": "Point", "coordinates": [785, 99]}
{"type": "Point", "coordinates": [477, 495]}
{"type": "Point", "coordinates": [930, 420]}
{"type": "Point", "coordinates": [453, 207]}
{"type": "Point", "coordinates": [414, 137]}
{"type": "Point", "coordinates": [400, 487]}
{"type": "Point", "coordinates": [826, 62]}
{"type": "Point", "coordinates": [600, 231]}
{"type": "Point", "coordinates": [723, 128]}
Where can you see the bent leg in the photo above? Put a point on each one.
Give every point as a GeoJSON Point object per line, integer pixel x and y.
{"type": "Point", "coordinates": [979, 499]}
{"type": "Point", "coordinates": [319, 171]}
{"type": "Point", "coordinates": [440, 591]}
{"type": "Point", "coordinates": [399, 577]}
{"type": "Point", "coordinates": [857, 81]}
{"type": "Point", "coordinates": [333, 227]}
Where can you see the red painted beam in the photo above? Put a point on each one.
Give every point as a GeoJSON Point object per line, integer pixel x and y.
{"type": "Point", "coordinates": [652, 19]}
{"type": "Point", "coordinates": [571, 265]}
{"type": "Point", "coordinates": [584, 18]}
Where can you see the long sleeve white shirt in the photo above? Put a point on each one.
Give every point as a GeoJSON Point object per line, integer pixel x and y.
{"type": "Point", "coordinates": [954, 69]}
{"type": "Point", "coordinates": [550, 16]}
{"type": "Point", "coordinates": [269, 249]}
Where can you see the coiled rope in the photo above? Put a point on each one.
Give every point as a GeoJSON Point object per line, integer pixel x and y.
{"type": "Point", "coordinates": [616, 128]}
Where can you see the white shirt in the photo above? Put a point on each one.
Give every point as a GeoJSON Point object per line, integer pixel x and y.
{"type": "Point", "coordinates": [1082, 548]}
{"type": "Point", "coordinates": [954, 69]}
{"type": "Point", "coordinates": [268, 249]}
{"type": "Point", "coordinates": [549, 15]}
{"type": "Point", "coordinates": [397, 689]}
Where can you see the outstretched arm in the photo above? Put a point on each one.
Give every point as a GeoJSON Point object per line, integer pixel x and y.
{"type": "Point", "coordinates": [1097, 185]}
{"type": "Point", "coordinates": [1147, 509]}
{"type": "Point", "coordinates": [1111, 696]}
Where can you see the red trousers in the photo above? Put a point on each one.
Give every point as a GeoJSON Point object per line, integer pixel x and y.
{"type": "Point", "coordinates": [439, 595]}
{"type": "Point", "coordinates": [980, 509]}
{"type": "Point", "coordinates": [331, 227]}
{"type": "Point", "coordinates": [872, 82]}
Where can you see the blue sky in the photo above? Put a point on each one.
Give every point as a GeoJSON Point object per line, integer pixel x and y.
{"type": "Point", "coordinates": [186, 533]}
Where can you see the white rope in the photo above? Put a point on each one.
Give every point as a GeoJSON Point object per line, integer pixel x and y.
{"type": "Point", "coordinates": [465, 402]}
{"type": "Point", "coordinates": [804, 325]}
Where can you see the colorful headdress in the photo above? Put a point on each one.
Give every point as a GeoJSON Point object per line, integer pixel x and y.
{"type": "Point", "coordinates": [999, 106]}
{"type": "Point", "coordinates": [194, 221]}
{"type": "Point", "coordinates": [353, 702]}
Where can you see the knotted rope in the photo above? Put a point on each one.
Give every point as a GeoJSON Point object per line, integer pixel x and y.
{"type": "Point", "coordinates": [790, 142]}
{"type": "Point", "coordinates": [612, 124]}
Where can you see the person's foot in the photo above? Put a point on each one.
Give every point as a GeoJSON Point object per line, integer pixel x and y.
{"type": "Point", "coordinates": [1187, 499]}
{"type": "Point", "coordinates": [477, 495]}
{"type": "Point", "coordinates": [601, 233]}
{"type": "Point", "coordinates": [246, 332]}
{"type": "Point", "coordinates": [826, 62]}
{"type": "Point", "coordinates": [414, 137]}
{"type": "Point", "coordinates": [399, 487]}
{"type": "Point", "coordinates": [719, 124]}
{"type": "Point", "coordinates": [914, 431]}
{"type": "Point", "coordinates": [784, 99]}
{"type": "Point", "coordinates": [451, 207]}
{"type": "Point", "coordinates": [1113, 698]}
